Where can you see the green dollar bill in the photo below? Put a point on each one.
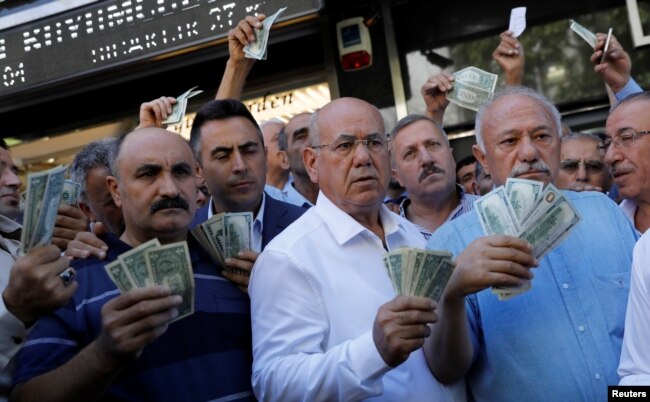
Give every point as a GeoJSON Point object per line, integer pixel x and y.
{"type": "Point", "coordinates": [70, 195]}
{"type": "Point", "coordinates": [171, 266]}
{"type": "Point", "coordinates": [257, 48]}
{"type": "Point", "coordinates": [476, 78]}
{"type": "Point", "coordinates": [523, 195]}
{"type": "Point", "coordinates": [214, 232]}
{"type": "Point", "coordinates": [238, 233]}
{"type": "Point", "coordinates": [43, 223]}
{"type": "Point", "coordinates": [395, 265]}
{"type": "Point", "coordinates": [136, 265]}
{"type": "Point", "coordinates": [495, 213]}
{"type": "Point", "coordinates": [584, 33]}
{"type": "Point", "coordinates": [119, 276]}
{"type": "Point", "coordinates": [468, 97]}
{"type": "Point", "coordinates": [430, 265]}
{"type": "Point", "coordinates": [178, 110]}
{"type": "Point", "coordinates": [439, 281]}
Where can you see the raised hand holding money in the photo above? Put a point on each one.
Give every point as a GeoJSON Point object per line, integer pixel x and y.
{"type": "Point", "coordinates": [257, 49]}
{"type": "Point", "coordinates": [178, 110]}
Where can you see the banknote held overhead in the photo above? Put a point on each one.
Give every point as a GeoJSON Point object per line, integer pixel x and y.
{"type": "Point", "coordinates": [355, 47]}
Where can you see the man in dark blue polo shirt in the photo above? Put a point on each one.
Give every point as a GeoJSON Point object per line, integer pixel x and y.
{"type": "Point", "coordinates": [109, 346]}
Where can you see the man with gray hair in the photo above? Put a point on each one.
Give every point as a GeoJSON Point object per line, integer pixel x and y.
{"type": "Point", "coordinates": [575, 309]}
{"type": "Point", "coordinates": [424, 164]}
{"type": "Point", "coordinates": [582, 165]}
{"type": "Point", "coordinates": [326, 322]}
{"type": "Point", "coordinates": [90, 168]}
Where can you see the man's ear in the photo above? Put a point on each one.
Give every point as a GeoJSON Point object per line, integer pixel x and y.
{"type": "Point", "coordinates": [480, 157]}
{"type": "Point", "coordinates": [396, 176]}
{"type": "Point", "coordinates": [310, 159]}
{"type": "Point", "coordinates": [113, 188]}
{"type": "Point", "coordinates": [87, 211]}
{"type": "Point", "coordinates": [284, 160]}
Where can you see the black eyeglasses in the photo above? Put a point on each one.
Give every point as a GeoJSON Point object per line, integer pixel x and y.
{"type": "Point", "coordinates": [571, 165]}
{"type": "Point", "coordinates": [625, 139]}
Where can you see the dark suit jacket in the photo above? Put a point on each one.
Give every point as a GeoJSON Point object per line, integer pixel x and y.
{"type": "Point", "coordinates": [277, 216]}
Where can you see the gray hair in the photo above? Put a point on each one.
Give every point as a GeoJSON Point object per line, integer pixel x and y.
{"type": "Point", "coordinates": [521, 91]}
{"type": "Point", "coordinates": [412, 118]}
{"type": "Point", "coordinates": [314, 133]}
{"type": "Point", "coordinates": [95, 154]}
{"type": "Point", "coordinates": [578, 135]}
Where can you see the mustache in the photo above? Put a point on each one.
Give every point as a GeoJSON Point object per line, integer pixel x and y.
{"type": "Point", "coordinates": [166, 203]}
{"type": "Point", "coordinates": [428, 171]}
{"type": "Point", "coordinates": [521, 168]}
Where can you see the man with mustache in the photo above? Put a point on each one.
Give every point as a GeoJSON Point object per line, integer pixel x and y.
{"type": "Point", "coordinates": [109, 346]}
{"type": "Point", "coordinates": [229, 147]}
{"type": "Point", "coordinates": [301, 191]}
{"type": "Point", "coordinates": [424, 165]}
{"type": "Point", "coordinates": [31, 284]}
{"type": "Point", "coordinates": [326, 323]}
{"type": "Point", "coordinates": [561, 340]}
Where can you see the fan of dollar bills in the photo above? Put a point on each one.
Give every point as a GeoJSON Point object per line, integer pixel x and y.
{"type": "Point", "coordinates": [152, 264]}
{"type": "Point", "coordinates": [524, 208]}
{"type": "Point", "coordinates": [225, 235]}
{"type": "Point", "coordinates": [417, 272]}
{"type": "Point", "coordinates": [40, 204]}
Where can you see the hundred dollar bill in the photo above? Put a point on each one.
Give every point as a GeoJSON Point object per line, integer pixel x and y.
{"type": "Point", "coordinates": [70, 194]}
{"type": "Point", "coordinates": [551, 227]}
{"type": "Point", "coordinates": [135, 264]}
{"type": "Point", "coordinates": [495, 213]}
{"type": "Point", "coordinates": [119, 276]}
{"type": "Point", "coordinates": [431, 265]}
{"type": "Point", "coordinates": [214, 232]}
{"type": "Point", "coordinates": [523, 195]}
{"type": "Point", "coordinates": [238, 233]}
{"type": "Point", "coordinates": [584, 33]}
{"type": "Point", "coordinates": [171, 266]}
{"type": "Point", "coordinates": [257, 49]}
{"type": "Point", "coordinates": [178, 110]}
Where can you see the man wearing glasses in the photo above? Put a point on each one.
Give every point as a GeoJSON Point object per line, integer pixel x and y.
{"type": "Point", "coordinates": [326, 322]}
{"type": "Point", "coordinates": [582, 167]}
{"type": "Point", "coordinates": [627, 148]}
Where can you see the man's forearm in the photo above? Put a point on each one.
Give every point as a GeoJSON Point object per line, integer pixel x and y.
{"type": "Point", "coordinates": [234, 78]}
{"type": "Point", "coordinates": [449, 349]}
{"type": "Point", "coordinates": [84, 378]}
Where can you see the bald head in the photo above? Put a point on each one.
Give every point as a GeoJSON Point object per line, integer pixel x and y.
{"type": "Point", "coordinates": [356, 110]}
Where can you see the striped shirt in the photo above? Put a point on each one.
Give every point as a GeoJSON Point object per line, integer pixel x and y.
{"type": "Point", "coordinates": [465, 205]}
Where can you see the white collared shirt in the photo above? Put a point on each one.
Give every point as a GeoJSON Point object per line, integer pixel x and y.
{"type": "Point", "coordinates": [12, 330]}
{"type": "Point", "coordinates": [629, 207]}
{"type": "Point", "coordinates": [315, 292]}
{"type": "Point", "coordinates": [634, 368]}
{"type": "Point", "coordinates": [257, 223]}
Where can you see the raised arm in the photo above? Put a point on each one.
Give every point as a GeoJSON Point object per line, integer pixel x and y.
{"type": "Point", "coordinates": [434, 93]}
{"type": "Point", "coordinates": [510, 56]}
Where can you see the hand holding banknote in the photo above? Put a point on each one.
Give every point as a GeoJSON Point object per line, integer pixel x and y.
{"type": "Point", "coordinates": [491, 261]}
{"type": "Point", "coordinates": [153, 113]}
{"type": "Point", "coordinates": [434, 93]}
{"type": "Point", "coordinates": [509, 54]}
{"type": "Point", "coordinates": [616, 66]}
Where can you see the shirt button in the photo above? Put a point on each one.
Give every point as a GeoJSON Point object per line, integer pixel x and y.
{"type": "Point", "coordinates": [597, 376]}
{"type": "Point", "coordinates": [581, 328]}
{"type": "Point", "coordinates": [565, 285]}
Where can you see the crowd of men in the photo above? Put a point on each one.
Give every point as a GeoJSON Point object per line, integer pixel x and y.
{"type": "Point", "coordinates": [309, 313]}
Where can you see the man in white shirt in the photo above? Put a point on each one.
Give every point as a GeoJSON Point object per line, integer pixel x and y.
{"type": "Point", "coordinates": [29, 284]}
{"type": "Point", "coordinates": [326, 322]}
{"type": "Point", "coordinates": [626, 144]}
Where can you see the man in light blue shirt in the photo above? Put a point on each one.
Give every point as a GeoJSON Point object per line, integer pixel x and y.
{"type": "Point", "coordinates": [561, 340]}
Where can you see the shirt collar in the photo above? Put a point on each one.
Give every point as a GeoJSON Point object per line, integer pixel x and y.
{"type": "Point", "coordinates": [628, 207]}
{"type": "Point", "coordinates": [344, 227]}
{"type": "Point", "coordinates": [8, 225]}
{"type": "Point", "coordinates": [260, 214]}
